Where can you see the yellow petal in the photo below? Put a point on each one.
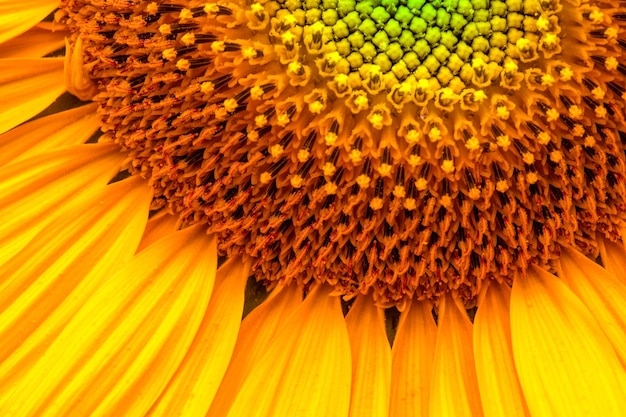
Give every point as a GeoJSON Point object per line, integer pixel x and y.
{"type": "Point", "coordinates": [92, 236]}
{"type": "Point", "coordinates": [257, 331]}
{"type": "Point", "coordinates": [455, 388]}
{"type": "Point", "coordinates": [306, 369]}
{"type": "Point", "coordinates": [501, 393]}
{"type": "Point", "coordinates": [413, 354]}
{"type": "Point", "coordinates": [34, 43]}
{"type": "Point", "coordinates": [33, 190]}
{"type": "Point", "coordinates": [71, 127]}
{"type": "Point", "coordinates": [28, 86]}
{"type": "Point", "coordinates": [160, 225]}
{"type": "Point", "coordinates": [601, 292]}
{"type": "Point", "coordinates": [117, 353]}
{"type": "Point", "coordinates": [371, 359]}
{"type": "Point", "coordinates": [18, 16]}
{"type": "Point", "coordinates": [44, 285]}
{"type": "Point", "coordinates": [565, 364]}
{"type": "Point", "coordinates": [614, 258]}
{"type": "Point", "coordinates": [192, 388]}
{"type": "Point", "coordinates": [77, 77]}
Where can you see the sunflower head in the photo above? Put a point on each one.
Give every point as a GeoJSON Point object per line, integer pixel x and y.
{"type": "Point", "coordinates": [403, 147]}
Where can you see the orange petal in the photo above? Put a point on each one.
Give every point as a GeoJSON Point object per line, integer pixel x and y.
{"type": "Point", "coordinates": [371, 359]}
{"type": "Point", "coordinates": [18, 16]}
{"type": "Point", "coordinates": [34, 43]}
{"type": "Point", "coordinates": [117, 353]}
{"type": "Point", "coordinates": [160, 225]}
{"type": "Point", "coordinates": [565, 364]}
{"type": "Point", "coordinates": [71, 127]}
{"type": "Point", "coordinates": [191, 390]}
{"type": "Point", "coordinates": [33, 190]}
{"type": "Point", "coordinates": [257, 331]}
{"type": "Point", "coordinates": [77, 77]}
{"type": "Point", "coordinates": [28, 86]}
{"type": "Point", "coordinates": [614, 258]}
{"type": "Point", "coordinates": [495, 369]}
{"type": "Point", "coordinates": [306, 369]}
{"type": "Point", "coordinates": [413, 354]}
{"type": "Point", "coordinates": [601, 292]}
{"type": "Point", "coordinates": [455, 387]}
{"type": "Point", "coordinates": [45, 284]}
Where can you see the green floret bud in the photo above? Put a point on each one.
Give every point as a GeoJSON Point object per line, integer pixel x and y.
{"type": "Point", "coordinates": [380, 15]}
{"type": "Point", "coordinates": [470, 32]}
{"type": "Point", "coordinates": [341, 29]}
{"type": "Point", "coordinates": [400, 70]}
{"type": "Point", "coordinates": [498, 8]}
{"type": "Point", "coordinates": [480, 4]}
{"type": "Point", "coordinates": [346, 6]}
{"type": "Point", "coordinates": [514, 20]}
{"type": "Point", "coordinates": [432, 64]}
{"type": "Point", "coordinates": [422, 48]}
{"type": "Point", "coordinates": [418, 26]}
{"type": "Point", "coordinates": [365, 8]}
{"type": "Point", "coordinates": [343, 47]}
{"type": "Point", "coordinates": [395, 52]}
{"type": "Point", "coordinates": [368, 27]}
{"type": "Point", "coordinates": [444, 75]}
{"type": "Point", "coordinates": [530, 24]}
{"type": "Point", "coordinates": [313, 15]}
{"type": "Point", "coordinates": [465, 8]}
{"type": "Point", "coordinates": [496, 55]}
{"type": "Point", "coordinates": [441, 53]}
{"type": "Point", "coordinates": [464, 51]}
{"type": "Point", "coordinates": [481, 16]}
{"type": "Point", "coordinates": [353, 20]}
{"type": "Point", "coordinates": [355, 59]}
{"type": "Point", "coordinates": [390, 5]}
{"type": "Point", "coordinates": [443, 18]}
{"type": "Point", "coordinates": [422, 72]}
{"type": "Point", "coordinates": [514, 5]}
{"type": "Point", "coordinates": [406, 39]}
{"type": "Point", "coordinates": [466, 73]}
{"type": "Point", "coordinates": [292, 5]}
{"type": "Point", "coordinates": [432, 35]}
{"type": "Point", "coordinates": [312, 4]}
{"type": "Point", "coordinates": [393, 28]}
{"type": "Point", "coordinates": [381, 40]}
{"type": "Point", "coordinates": [382, 60]}
{"type": "Point", "coordinates": [498, 24]}
{"type": "Point", "coordinates": [498, 40]}
{"type": "Point", "coordinates": [457, 22]}
{"type": "Point", "coordinates": [415, 5]}
{"type": "Point", "coordinates": [368, 51]}
{"type": "Point", "coordinates": [329, 4]}
{"type": "Point", "coordinates": [448, 39]}
{"type": "Point", "coordinates": [411, 60]}
{"type": "Point", "coordinates": [403, 15]}
{"type": "Point", "coordinates": [329, 17]}
{"type": "Point", "coordinates": [480, 44]}
{"type": "Point", "coordinates": [429, 13]}
{"type": "Point", "coordinates": [356, 39]}
{"type": "Point", "coordinates": [484, 28]}
{"type": "Point", "coordinates": [514, 35]}
{"type": "Point", "coordinates": [455, 63]}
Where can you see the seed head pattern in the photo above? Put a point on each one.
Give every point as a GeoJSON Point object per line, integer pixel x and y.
{"type": "Point", "coordinates": [400, 147]}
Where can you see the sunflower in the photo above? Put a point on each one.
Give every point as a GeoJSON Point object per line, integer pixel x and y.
{"type": "Point", "coordinates": [417, 207]}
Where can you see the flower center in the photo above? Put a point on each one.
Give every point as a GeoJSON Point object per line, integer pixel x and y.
{"type": "Point", "coordinates": [400, 147]}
